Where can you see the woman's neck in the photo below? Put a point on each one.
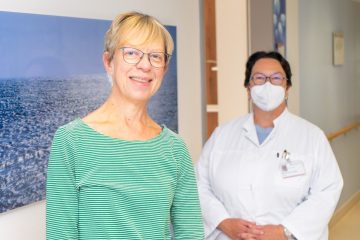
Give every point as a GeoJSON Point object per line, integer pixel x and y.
{"type": "Point", "coordinates": [123, 119]}
{"type": "Point", "coordinates": [126, 112]}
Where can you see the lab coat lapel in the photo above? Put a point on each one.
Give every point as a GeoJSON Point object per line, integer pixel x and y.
{"type": "Point", "coordinates": [250, 131]}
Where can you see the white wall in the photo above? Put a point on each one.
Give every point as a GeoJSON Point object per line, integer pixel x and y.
{"type": "Point", "coordinates": [29, 222]}
{"type": "Point", "coordinates": [24, 223]}
{"type": "Point", "coordinates": [330, 94]}
{"type": "Point", "coordinates": [347, 152]}
{"type": "Point", "coordinates": [231, 51]}
{"type": "Point", "coordinates": [330, 97]}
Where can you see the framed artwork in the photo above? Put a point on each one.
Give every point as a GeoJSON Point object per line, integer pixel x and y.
{"type": "Point", "coordinates": [338, 48]}
{"type": "Point", "coordinates": [279, 22]}
{"type": "Point", "coordinates": [51, 73]}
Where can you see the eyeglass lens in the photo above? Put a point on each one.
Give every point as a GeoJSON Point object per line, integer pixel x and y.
{"type": "Point", "coordinates": [260, 78]}
{"type": "Point", "coordinates": [133, 56]}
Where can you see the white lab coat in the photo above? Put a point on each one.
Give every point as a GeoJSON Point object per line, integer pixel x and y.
{"type": "Point", "coordinates": [239, 178]}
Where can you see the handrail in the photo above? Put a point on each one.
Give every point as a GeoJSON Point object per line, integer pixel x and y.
{"type": "Point", "coordinates": [342, 131]}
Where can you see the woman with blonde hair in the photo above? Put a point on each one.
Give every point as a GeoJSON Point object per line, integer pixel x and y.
{"type": "Point", "coordinates": [116, 173]}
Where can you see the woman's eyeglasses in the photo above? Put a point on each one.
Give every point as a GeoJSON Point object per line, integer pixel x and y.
{"type": "Point", "coordinates": [260, 78]}
{"type": "Point", "coordinates": [134, 56]}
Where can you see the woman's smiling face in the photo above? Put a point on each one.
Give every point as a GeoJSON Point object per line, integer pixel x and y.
{"type": "Point", "coordinates": [136, 82]}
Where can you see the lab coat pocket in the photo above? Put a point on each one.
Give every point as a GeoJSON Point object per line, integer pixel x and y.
{"type": "Point", "coordinates": [293, 176]}
{"type": "Point", "coordinates": [293, 172]}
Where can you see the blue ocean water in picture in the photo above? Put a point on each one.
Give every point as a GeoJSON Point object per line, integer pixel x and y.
{"type": "Point", "coordinates": [46, 82]}
{"type": "Point", "coordinates": [30, 112]}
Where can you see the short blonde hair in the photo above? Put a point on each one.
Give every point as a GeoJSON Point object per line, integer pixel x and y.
{"type": "Point", "coordinates": [136, 25]}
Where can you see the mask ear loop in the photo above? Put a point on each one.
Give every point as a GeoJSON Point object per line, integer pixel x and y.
{"type": "Point", "coordinates": [249, 100]}
{"type": "Point", "coordinates": [287, 97]}
{"type": "Point", "coordinates": [250, 106]}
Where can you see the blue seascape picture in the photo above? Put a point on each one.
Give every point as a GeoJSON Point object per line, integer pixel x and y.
{"type": "Point", "coordinates": [279, 18]}
{"type": "Point", "coordinates": [51, 73]}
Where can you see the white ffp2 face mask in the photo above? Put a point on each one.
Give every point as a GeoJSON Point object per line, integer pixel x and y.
{"type": "Point", "coordinates": [267, 97]}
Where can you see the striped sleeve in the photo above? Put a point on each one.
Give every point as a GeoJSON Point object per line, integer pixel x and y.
{"type": "Point", "coordinates": [61, 193]}
{"type": "Point", "coordinates": [185, 211]}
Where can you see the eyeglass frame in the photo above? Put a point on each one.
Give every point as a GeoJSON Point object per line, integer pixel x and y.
{"type": "Point", "coordinates": [166, 62]}
{"type": "Point", "coordinates": [271, 80]}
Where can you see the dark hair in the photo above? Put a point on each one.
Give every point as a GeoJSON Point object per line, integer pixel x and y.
{"type": "Point", "coordinates": [261, 54]}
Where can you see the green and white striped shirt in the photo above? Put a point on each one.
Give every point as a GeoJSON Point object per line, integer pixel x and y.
{"type": "Point", "coordinates": [100, 187]}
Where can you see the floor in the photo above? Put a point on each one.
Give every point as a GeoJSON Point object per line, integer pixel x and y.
{"type": "Point", "coordinates": [348, 227]}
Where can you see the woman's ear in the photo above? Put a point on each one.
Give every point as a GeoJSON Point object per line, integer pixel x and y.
{"type": "Point", "coordinates": [287, 90]}
{"type": "Point", "coordinates": [107, 63]}
{"type": "Point", "coordinates": [166, 68]}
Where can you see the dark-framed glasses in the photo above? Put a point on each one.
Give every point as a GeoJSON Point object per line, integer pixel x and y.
{"type": "Point", "coordinates": [275, 78]}
{"type": "Point", "coordinates": [134, 56]}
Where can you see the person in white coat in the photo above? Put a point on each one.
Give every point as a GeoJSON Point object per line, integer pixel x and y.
{"type": "Point", "coordinates": [269, 174]}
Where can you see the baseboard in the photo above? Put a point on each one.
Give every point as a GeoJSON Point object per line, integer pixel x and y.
{"type": "Point", "coordinates": [344, 208]}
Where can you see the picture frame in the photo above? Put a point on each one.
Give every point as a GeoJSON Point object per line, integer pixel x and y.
{"type": "Point", "coordinates": [279, 26]}
{"type": "Point", "coordinates": [338, 48]}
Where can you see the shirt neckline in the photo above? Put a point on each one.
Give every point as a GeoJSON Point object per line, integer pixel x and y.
{"type": "Point", "coordinates": [155, 138]}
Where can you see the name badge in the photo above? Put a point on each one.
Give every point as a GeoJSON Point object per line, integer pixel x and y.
{"type": "Point", "coordinates": [289, 167]}
{"type": "Point", "coordinates": [292, 169]}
